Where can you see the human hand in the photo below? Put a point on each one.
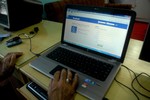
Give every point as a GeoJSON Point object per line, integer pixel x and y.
{"type": "Point", "coordinates": [7, 65]}
{"type": "Point", "coordinates": [60, 89]}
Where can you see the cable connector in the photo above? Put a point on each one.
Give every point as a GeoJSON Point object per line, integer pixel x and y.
{"type": "Point", "coordinates": [27, 35]}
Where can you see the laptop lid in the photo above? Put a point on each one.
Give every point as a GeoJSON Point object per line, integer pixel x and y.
{"type": "Point", "coordinates": [100, 30]}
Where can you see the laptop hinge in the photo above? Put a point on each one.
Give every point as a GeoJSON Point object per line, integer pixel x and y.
{"type": "Point", "coordinates": [64, 44]}
{"type": "Point", "coordinates": [112, 60]}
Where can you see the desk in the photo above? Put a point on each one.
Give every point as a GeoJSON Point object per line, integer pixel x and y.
{"type": "Point", "coordinates": [48, 35]}
{"type": "Point", "coordinates": [116, 91]}
{"type": "Point", "coordinates": [132, 57]}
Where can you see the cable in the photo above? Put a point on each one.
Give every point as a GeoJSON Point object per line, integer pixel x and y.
{"type": "Point", "coordinates": [140, 85]}
{"type": "Point", "coordinates": [136, 78]}
{"type": "Point", "coordinates": [31, 45]}
{"type": "Point", "coordinates": [34, 32]}
{"type": "Point", "coordinates": [128, 88]}
{"type": "Point", "coordinates": [26, 34]}
{"type": "Point", "coordinates": [36, 29]}
{"type": "Point", "coordinates": [129, 69]}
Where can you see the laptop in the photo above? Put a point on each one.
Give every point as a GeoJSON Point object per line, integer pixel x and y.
{"type": "Point", "coordinates": [100, 37]}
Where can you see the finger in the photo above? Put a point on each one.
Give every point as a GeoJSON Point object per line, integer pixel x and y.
{"type": "Point", "coordinates": [18, 54]}
{"type": "Point", "coordinates": [69, 75]}
{"type": "Point", "coordinates": [75, 81]}
{"type": "Point", "coordinates": [56, 76]}
{"type": "Point", "coordinates": [50, 86]}
{"type": "Point", "coordinates": [7, 60]}
{"type": "Point", "coordinates": [63, 75]}
{"type": "Point", "coordinates": [13, 59]}
{"type": "Point", "coordinates": [51, 83]}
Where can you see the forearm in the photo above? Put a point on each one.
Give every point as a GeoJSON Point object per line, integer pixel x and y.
{"type": "Point", "coordinates": [2, 79]}
{"type": "Point", "coordinates": [6, 70]}
{"type": "Point", "coordinates": [1, 71]}
{"type": "Point", "coordinates": [1, 74]}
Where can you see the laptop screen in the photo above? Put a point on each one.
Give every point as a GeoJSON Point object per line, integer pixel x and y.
{"type": "Point", "coordinates": [98, 31]}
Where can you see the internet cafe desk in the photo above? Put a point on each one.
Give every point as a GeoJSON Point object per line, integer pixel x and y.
{"type": "Point", "coordinates": [116, 91]}
{"type": "Point", "coordinates": [48, 35]}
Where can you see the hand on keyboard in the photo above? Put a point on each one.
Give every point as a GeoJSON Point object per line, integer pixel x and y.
{"type": "Point", "coordinates": [63, 86]}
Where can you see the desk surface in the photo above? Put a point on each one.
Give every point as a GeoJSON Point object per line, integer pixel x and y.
{"type": "Point", "coordinates": [116, 91]}
{"type": "Point", "coordinates": [132, 57]}
{"type": "Point", "coordinates": [48, 35]}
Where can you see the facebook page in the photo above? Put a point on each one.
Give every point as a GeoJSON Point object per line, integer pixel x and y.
{"type": "Point", "coordinates": [102, 33]}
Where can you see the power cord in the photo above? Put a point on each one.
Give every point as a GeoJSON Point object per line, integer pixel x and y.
{"type": "Point", "coordinates": [31, 46]}
{"type": "Point", "coordinates": [32, 33]}
{"type": "Point", "coordinates": [135, 79]}
{"type": "Point", "coordinates": [127, 88]}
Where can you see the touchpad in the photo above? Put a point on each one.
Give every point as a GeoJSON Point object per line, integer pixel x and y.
{"type": "Point", "coordinates": [59, 68]}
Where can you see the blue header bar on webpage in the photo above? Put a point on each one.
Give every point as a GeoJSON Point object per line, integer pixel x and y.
{"type": "Point", "coordinates": [96, 21]}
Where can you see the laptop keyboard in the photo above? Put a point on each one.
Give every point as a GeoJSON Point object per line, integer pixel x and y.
{"type": "Point", "coordinates": [79, 62]}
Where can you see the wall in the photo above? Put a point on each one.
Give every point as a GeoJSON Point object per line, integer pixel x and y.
{"type": "Point", "coordinates": [46, 1]}
{"type": "Point", "coordinates": [141, 7]}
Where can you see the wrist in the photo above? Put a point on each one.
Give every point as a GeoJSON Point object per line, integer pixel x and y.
{"type": "Point", "coordinates": [2, 78]}
{"type": "Point", "coordinates": [1, 74]}
{"type": "Point", "coordinates": [3, 82]}
{"type": "Point", "coordinates": [5, 73]}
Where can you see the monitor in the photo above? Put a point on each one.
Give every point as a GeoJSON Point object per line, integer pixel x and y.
{"type": "Point", "coordinates": [4, 21]}
{"type": "Point", "coordinates": [145, 51]}
{"type": "Point", "coordinates": [18, 14]}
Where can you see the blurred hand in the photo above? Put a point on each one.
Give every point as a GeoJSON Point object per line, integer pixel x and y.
{"type": "Point", "coordinates": [7, 65]}
{"type": "Point", "coordinates": [60, 89]}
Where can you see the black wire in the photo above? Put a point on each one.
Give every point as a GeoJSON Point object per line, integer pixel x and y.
{"type": "Point", "coordinates": [136, 78]}
{"type": "Point", "coordinates": [129, 70]}
{"type": "Point", "coordinates": [139, 84]}
{"type": "Point", "coordinates": [128, 88]}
